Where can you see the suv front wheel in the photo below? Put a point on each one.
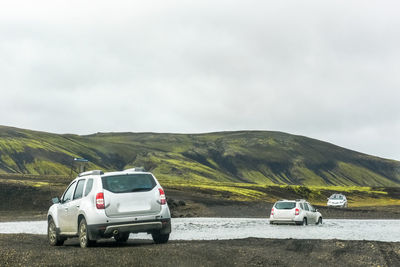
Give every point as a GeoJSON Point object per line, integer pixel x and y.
{"type": "Point", "coordinates": [52, 235]}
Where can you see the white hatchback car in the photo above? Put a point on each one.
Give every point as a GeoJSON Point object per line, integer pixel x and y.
{"type": "Point", "coordinates": [337, 200]}
{"type": "Point", "coordinates": [296, 211]}
{"type": "Point", "coordinates": [101, 205]}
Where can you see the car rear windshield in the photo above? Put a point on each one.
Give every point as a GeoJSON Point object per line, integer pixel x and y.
{"type": "Point", "coordinates": [285, 205]}
{"type": "Point", "coordinates": [140, 182]}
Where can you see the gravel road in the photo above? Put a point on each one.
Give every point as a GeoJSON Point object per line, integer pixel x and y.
{"type": "Point", "coordinates": [33, 250]}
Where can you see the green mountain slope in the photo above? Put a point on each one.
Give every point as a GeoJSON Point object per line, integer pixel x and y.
{"type": "Point", "coordinates": [246, 156]}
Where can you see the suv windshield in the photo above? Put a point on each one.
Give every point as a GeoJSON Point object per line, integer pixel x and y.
{"type": "Point", "coordinates": [285, 205]}
{"type": "Point", "coordinates": [336, 196]}
{"type": "Point", "coordinates": [129, 183]}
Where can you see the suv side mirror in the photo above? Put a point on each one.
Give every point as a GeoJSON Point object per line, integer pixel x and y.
{"type": "Point", "coordinates": [55, 200]}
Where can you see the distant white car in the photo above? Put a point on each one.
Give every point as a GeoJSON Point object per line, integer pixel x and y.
{"type": "Point", "coordinates": [337, 200]}
{"type": "Point", "coordinates": [296, 211]}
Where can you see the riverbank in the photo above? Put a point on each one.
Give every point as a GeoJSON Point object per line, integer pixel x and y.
{"type": "Point", "coordinates": [23, 200]}
{"type": "Point", "coordinates": [184, 203]}
{"type": "Point", "coordinates": [33, 250]}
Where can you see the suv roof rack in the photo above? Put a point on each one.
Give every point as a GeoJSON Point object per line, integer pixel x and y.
{"type": "Point", "coordinates": [136, 169]}
{"type": "Point", "coordinates": [94, 172]}
{"type": "Point", "coordinates": [300, 199]}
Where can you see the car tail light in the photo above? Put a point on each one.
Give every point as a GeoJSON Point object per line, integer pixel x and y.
{"type": "Point", "coordinates": [297, 212]}
{"type": "Point", "coordinates": [100, 201]}
{"type": "Point", "coordinates": [163, 200]}
{"type": "Point", "coordinates": [272, 211]}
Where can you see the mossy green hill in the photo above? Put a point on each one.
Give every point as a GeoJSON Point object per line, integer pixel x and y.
{"type": "Point", "coordinates": [244, 156]}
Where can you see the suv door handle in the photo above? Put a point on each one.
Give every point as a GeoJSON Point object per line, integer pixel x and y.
{"type": "Point", "coordinates": [77, 206]}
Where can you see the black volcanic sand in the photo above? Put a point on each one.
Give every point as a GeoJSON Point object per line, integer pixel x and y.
{"type": "Point", "coordinates": [33, 250]}
{"type": "Point", "coordinates": [34, 205]}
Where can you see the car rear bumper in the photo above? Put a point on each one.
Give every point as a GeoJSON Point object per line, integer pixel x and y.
{"type": "Point", "coordinates": [336, 204]}
{"type": "Point", "coordinates": [107, 230]}
{"type": "Point", "coordinates": [283, 221]}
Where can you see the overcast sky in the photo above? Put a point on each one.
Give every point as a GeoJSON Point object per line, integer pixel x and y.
{"type": "Point", "coordinates": [324, 69]}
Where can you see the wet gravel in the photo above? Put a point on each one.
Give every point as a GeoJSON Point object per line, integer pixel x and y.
{"type": "Point", "coordinates": [33, 250]}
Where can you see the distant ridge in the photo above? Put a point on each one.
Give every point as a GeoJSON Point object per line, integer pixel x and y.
{"type": "Point", "coordinates": [240, 156]}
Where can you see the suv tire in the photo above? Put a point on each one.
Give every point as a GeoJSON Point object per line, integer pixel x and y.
{"type": "Point", "coordinates": [304, 222]}
{"type": "Point", "coordinates": [52, 235]}
{"type": "Point", "coordinates": [121, 237]}
{"type": "Point", "coordinates": [159, 238]}
{"type": "Point", "coordinates": [84, 240]}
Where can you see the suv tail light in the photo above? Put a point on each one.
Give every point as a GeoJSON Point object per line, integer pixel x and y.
{"type": "Point", "coordinates": [272, 211]}
{"type": "Point", "coordinates": [163, 200]}
{"type": "Point", "coordinates": [297, 212]}
{"type": "Point", "coordinates": [100, 201]}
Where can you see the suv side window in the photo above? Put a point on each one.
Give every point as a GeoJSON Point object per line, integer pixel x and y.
{"type": "Point", "coordinates": [79, 189]}
{"type": "Point", "coordinates": [311, 208]}
{"type": "Point", "coordinates": [301, 206]}
{"type": "Point", "coordinates": [68, 193]}
{"type": "Point", "coordinates": [89, 186]}
{"type": "Point", "coordinates": [306, 207]}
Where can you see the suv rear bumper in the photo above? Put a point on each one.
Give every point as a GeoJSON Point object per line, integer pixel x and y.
{"type": "Point", "coordinates": [281, 221]}
{"type": "Point", "coordinates": [336, 204]}
{"type": "Point", "coordinates": [97, 231]}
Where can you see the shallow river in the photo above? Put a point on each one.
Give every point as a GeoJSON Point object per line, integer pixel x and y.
{"type": "Point", "coordinates": [234, 228]}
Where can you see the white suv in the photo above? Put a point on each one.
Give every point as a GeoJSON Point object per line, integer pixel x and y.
{"type": "Point", "coordinates": [296, 211]}
{"type": "Point", "coordinates": [337, 200]}
{"type": "Point", "coordinates": [101, 205]}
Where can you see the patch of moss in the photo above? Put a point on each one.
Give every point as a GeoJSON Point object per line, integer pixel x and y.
{"type": "Point", "coordinates": [46, 167]}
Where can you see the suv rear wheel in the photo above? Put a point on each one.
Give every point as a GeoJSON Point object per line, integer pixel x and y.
{"type": "Point", "coordinates": [84, 240]}
{"type": "Point", "coordinates": [121, 237]}
{"type": "Point", "coordinates": [160, 238]}
{"type": "Point", "coordinates": [304, 221]}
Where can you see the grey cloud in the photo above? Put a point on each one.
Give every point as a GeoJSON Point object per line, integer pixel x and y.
{"type": "Point", "coordinates": [325, 70]}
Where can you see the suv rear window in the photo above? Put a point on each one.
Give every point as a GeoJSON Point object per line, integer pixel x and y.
{"type": "Point", "coordinates": [285, 205]}
{"type": "Point", "coordinates": [129, 183]}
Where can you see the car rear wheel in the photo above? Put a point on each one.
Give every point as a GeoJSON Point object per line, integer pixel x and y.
{"type": "Point", "coordinates": [304, 221]}
{"type": "Point", "coordinates": [122, 237]}
{"type": "Point", "coordinates": [160, 238]}
{"type": "Point", "coordinates": [84, 240]}
{"type": "Point", "coordinates": [52, 235]}
{"type": "Point", "coordinates": [319, 221]}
